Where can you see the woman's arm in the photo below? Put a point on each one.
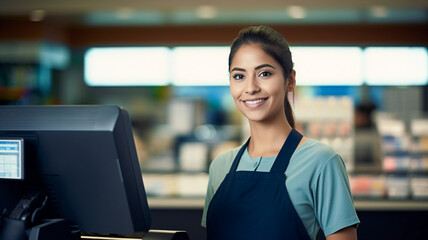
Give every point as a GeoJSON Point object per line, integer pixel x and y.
{"type": "Point", "coordinates": [348, 233]}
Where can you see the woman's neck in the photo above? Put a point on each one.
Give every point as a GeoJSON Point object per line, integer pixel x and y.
{"type": "Point", "coordinates": [267, 138]}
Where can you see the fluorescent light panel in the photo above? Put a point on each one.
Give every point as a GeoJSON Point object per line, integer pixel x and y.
{"type": "Point", "coordinates": [324, 66]}
{"type": "Point", "coordinates": [127, 66]}
{"type": "Point", "coordinates": [394, 66]}
{"type": "Point", "coordinates": [200, 66]}
{"type": "Point", "coordinates": [207, 66]}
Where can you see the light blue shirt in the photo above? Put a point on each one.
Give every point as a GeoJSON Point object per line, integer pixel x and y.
{"type": "Point", "coordinates": [317, 183]}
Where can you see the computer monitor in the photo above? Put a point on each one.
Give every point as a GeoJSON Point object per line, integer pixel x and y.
{"type": "Point", "coordinates": [84, 158]}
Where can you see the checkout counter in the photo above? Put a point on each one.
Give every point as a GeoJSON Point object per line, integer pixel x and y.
{"type": "Point", "coordinates": [380, 218]}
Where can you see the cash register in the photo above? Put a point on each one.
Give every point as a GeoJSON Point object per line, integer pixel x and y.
{"type": "Point", "coordinates": [72, 172]}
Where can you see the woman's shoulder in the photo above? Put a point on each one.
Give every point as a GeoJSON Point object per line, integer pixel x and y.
{"type": "Point", "coordinates": [314, 148]}
{"type": "Point", "coordinates": [224, 160]}
{"type": "Point", "coordinates": [313, 156]}
{"type": "Point", "coordinates": [220, 167]}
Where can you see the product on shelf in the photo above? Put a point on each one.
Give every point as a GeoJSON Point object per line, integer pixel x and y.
{"type": "Point", "coordinates": [368, 186]}
{"type": "Point", "coordinates": [419, 187]}
{"type": "Point", "coordinates": [329, 120]}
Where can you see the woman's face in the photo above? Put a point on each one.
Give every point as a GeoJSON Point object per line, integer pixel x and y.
{"type": "Point", "coordinates": [257, 84]}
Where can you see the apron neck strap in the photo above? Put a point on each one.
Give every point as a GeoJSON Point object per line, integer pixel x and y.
{"type": "Point", "coordinates": [238, 156]}
{"type": "Point", "coordinates": [287, 150]}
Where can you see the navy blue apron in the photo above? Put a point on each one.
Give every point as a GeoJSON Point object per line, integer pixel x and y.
{"type": "Point", "coordinates": [256, 205]}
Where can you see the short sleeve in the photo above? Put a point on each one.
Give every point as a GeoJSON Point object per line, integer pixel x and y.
{"type": "Point", "coordinates": [333, 203]}
{"type": "Point", "coordinates": [208, 197]}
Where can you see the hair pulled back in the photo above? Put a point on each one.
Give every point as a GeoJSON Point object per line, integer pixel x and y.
{"type": "Point", "coordinates": [276, 46]}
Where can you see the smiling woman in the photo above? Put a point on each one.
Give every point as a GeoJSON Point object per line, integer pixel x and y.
{"type": "Point", "coordinates": [257, 85]}
{"type": "Point", "coordinates": [246, 196]}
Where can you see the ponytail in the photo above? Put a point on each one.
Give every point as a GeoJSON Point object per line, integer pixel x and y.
{"type": "Point", "coordinates": [289, 111]}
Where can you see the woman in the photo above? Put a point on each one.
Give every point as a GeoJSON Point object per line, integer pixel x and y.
{"type": "Point", "coordinates": [248, 195]}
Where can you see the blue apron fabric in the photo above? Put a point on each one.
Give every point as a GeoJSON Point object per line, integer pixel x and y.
{"type": "Point", "coordinates": [256, 205]}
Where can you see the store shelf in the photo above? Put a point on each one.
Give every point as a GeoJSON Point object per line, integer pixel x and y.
{"type": "Point", "coordinates": [360, 205]}
{"type": "Point", "coordinates": [391, 205]}
{"type": "Point", "coordinates": [176, 203]}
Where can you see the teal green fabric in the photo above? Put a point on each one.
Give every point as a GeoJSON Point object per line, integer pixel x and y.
{"type": "Point", "coordinates": [317, 183]}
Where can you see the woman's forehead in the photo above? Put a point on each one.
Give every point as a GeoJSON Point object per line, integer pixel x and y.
{"type": "Point", "coordinates": [252, 54]}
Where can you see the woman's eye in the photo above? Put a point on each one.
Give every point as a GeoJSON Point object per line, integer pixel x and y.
{"type": "Point", "coordinates": [265, 74]}
{"type": "Point", "coordinates": [238, 76]}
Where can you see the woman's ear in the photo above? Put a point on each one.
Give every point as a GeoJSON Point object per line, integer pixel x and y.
{"type": "Point", "coordinates": [291, 81]}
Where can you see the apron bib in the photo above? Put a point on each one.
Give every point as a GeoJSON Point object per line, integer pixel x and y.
{"type": "Point", "coordinates": [256, 205]}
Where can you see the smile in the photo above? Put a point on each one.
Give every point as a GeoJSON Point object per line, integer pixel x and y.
{"type": "Point", "coordinates": [252, 102]}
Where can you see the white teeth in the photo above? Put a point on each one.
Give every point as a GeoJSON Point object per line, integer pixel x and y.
{"type": "Point", "coordinates": [255, 101]}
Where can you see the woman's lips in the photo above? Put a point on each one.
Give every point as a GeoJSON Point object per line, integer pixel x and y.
{"type": "Point", "coordinates": [253, 103]}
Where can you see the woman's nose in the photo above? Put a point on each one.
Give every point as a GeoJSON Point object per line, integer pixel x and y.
{"type": "Point", "coordinates": [252, 86]}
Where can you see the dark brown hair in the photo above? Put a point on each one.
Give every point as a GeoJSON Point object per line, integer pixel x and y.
{"type": "Point", "coordinates": [275, 45]}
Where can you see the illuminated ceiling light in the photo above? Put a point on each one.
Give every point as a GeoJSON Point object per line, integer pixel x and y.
{"type": "Point", "coordinates": [37, 15]}
{"type": "Point", "coordinates": [206, 12]}
{"type": "Point", "coordinates": [125, 13]}
{"type": "Point", "coordinates": [296, 12]}
{"type": "Point", "coordinates": [379, 11]}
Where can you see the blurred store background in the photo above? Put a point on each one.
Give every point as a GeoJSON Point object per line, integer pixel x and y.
{"type": "Point", "coordinates": [362, 87]}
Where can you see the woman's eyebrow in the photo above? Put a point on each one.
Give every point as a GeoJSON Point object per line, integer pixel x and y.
{"type": "Point", "coordinates": [238, 69]}
{"type": "Point", "coordinates": [257, 68]}
{"type": "Point", "coordinates": [264, 65]}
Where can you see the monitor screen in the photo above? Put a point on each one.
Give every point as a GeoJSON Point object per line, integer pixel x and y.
{"type": "Point", "coordinates": [11, 164]}
{"type": "Point", "coordinates": [84, 159]}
